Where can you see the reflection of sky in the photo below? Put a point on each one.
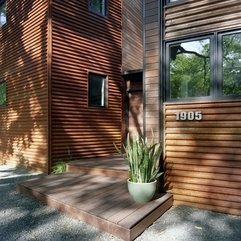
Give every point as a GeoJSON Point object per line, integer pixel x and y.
{"type": "Point", "coordinates": [2, 19]}
{"type": "Point", "coordinates": [195, 46]}
{"type": "Point", "coordinates": [2, 14]}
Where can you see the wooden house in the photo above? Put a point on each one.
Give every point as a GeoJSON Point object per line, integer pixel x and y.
{"type": "Point", "coordinates": [192, 69]}
{"type": "Point", "coordinates": [69, 66]}
{"type": "Point", "coordinates": [61, 71]}
{"type": "Point", "coordinates": [191, 97]}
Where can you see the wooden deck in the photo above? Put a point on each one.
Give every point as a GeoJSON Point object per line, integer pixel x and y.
{"type": "Point", "coordinates": [112, 166]}
{"type": "Point", "coordinates": [101, 201]}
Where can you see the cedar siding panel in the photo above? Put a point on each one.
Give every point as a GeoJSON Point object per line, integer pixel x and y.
{"type": "Point", "coordinates": [201, 17]}
{"type": "Point", "coordinates": [132, 35]}
{"type": "Point", "coordinates": [203, 158]}
{"type": "Point", "coordinates": [151, 68]}
{"type": "Point", "coordinates": [23, 64]}
{"type": "Point", "coordinates": [85, 42]}
{"type": "Point", "coordinates": [135, 108]}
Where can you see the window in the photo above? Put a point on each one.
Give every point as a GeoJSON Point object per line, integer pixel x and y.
{"type": "Point", "coordinates": [2, 92]}
{"type": "Point", "coordinates": [190, 69]}
{"type": "Point", "coordinates": [204, 67]}
{"type": "Point", "coordinates": [231, 64]}
{"type": "Point", "coordinates": [3, 19]}
{"type": "Point", "coordinates": [97, 90]}
{"type": "Point", "coordinates": [98, 6]}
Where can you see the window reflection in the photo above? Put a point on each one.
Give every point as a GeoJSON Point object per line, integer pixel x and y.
{"type": "Point", "coordinates": [190, 69]}
{"type": "Point", "coordinates": [232, 64]}
{"type": "Point", "coordinates": [98, 6]}
{"type": "Point", "coordinates": [97, 89]}
{"type": "Point", "coordinates": [3, 13]}
{"type": "Point", "coordinates": [2, 92]}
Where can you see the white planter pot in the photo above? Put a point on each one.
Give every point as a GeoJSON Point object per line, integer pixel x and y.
{"type": "Point", "coordinates": [142, 192]}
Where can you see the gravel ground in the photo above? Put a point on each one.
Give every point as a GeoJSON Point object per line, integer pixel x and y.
{"type": "Point", "coordinates": [23, 219]}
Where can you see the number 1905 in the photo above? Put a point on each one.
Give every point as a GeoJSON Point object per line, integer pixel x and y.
{"type": "Point", "coordinates": [190, 115]}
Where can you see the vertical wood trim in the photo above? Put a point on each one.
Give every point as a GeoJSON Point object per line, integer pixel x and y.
{"type": "Point", "coordinates": [49, 84]}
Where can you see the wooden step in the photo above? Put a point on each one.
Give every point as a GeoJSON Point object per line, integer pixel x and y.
{"type": "Point", "coordinates": [112, 166]}
{"type": "Point", "coordinates": [103, 202]}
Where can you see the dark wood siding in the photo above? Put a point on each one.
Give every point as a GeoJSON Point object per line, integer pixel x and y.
{"type": "Point", "coordinates": [203, 158]}
{"type": "Point", "coordinates": [195, 17]}
{"type": "Point", "coordinates": [152, 68]}
{"type": "Point", "coordinates": [23, 64]}
{"type": "Point", "coordinates": [132, 35]}
{"type": "Point", "coordinates": [135, 107]}
{"type": "Point", "coordinates": [83, 41]}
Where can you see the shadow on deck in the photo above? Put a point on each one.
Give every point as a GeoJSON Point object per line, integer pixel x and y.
{"type": "Point", "coordinates": [102, 201]}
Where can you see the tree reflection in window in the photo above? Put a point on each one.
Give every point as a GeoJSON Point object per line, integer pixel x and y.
{"type": "Point", "coordinates": [232, 64]}
{"type": "Point", "coordinates": [98, 6]}
{"type": "Point", "coordinates": [2, 92]}
{"type": "Point", "coordinates": [190, 69]}
{"type": "Point", "coordinates": [3, 19]}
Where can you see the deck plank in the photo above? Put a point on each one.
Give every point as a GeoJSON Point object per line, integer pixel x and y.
{"type": "Point", "coordinates": [114, 166]}
{"type": "Point", "coordinates": [143, 211]}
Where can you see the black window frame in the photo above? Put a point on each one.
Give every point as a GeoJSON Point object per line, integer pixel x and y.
{"type": "Point", "coordinates": [105, 78]}
{"type": "Point", "coordinates": [5, 101]}
{"type": "Point", "coordinates": [216, 52]}
{"type": "Point", "coordinates": [2, 2]}
{"type": "Point", "coordinates": [97, 12]}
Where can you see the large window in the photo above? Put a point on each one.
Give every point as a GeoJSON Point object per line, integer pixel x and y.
{"type": "Point", "coordinates": [2, 92]}
{"type": "Point", "coordinates": [204, 67]}
{"type": "Point", "coordinates": [3, 18]}
{"type": "Point", "coordinates": [98, 6]}
{"type": "Point", "coordinates": [97, 90]}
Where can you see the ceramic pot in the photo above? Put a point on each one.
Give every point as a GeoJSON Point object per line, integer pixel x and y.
{"type": "Point", "coordinates": [142, 192]}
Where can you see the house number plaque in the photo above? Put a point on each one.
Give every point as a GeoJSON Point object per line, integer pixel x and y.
{"type": "Point", "coordinates": [189, 115]}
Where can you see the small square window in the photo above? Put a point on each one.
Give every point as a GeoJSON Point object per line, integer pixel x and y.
{"type": "Point", "coordinates": [3, 92]}
{"type": "Point", "coordinates": [3, 18]}
{"type": "Point", "coordinates": [98, 6]}
{"type": "Point", "coordinates": [97, 90]}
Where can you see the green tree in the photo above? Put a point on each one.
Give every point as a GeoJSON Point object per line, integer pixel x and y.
{"type": "Point", "coordinates": [190, 70]}
{"type": "Point", "coordinates": [232, 64]}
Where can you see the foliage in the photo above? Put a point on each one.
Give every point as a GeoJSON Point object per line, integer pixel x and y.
{"type": "Point", "coordinates": [231, 64]}
{"type": "Point", "coordinates": [2, 93]}
{"type": "Point", "coordinates": [59, 167]}
{"type": "Point", "coordinates": [143, 159]}
{"type": "Point", "coordinates": [190, 69]}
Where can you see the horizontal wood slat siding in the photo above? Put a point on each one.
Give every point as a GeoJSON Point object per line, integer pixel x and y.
{"type": "Point", "coordinates": [195, 17]}
{"type": "Point", "coordinates": [151, 68]}
{"type": "Point", "coordinates": [135, 108]}
{"type": "Point", "coordinates": [203, 158]}
{"type": "Point", "coordinates": [23, 64]}
{"type": "Point", "coordinates": [132, 35]}
{"type": "Point", "coordinates": [82, 42]}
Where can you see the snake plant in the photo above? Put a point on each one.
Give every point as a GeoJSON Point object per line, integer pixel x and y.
{"type": "Point", "coordinates": [143, 159]}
